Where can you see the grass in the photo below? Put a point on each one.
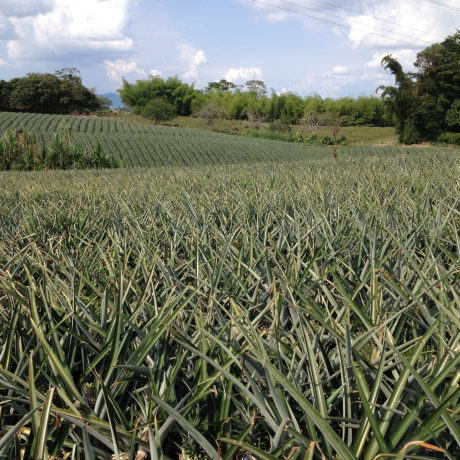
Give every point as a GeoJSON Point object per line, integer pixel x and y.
{"type": "Point", "coordinates": [301, 310]}
{"type": "Point", "coordinates": [364, 136]}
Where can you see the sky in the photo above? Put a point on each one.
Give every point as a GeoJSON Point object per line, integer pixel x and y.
{"type": "Point", "coordinates": [207, 40]}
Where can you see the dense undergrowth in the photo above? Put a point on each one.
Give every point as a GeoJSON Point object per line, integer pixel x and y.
{"type": "Point", "coordinates": [298, 310]}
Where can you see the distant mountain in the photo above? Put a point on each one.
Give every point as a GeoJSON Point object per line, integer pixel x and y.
{"type": "Point", "coordinates": [115, 98]}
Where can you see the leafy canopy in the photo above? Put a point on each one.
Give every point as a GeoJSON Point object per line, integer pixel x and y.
{"type": "Point", "coordinates": [137, 95]}
{"type": "Point", "coordinates": [62, 91]}
{"type": "Point", "coordinates": [159, 110]}
{"type": "Point", "coordinates": [423, 102]}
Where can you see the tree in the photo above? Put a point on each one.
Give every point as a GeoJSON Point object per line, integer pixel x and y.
{"type": "Point", "coordinates": [254, 118]}
{"type": "Point", "coordinates": [62, 91]}
{"type": "Point", "coordinates": [314, 121]}
{"type": "Point", "coordinates": [138, 95]}
{"type": "Point", "coordinates": [256, 86]}
{"type": "Point", "coordinates": [420, 101]}
{"type": "Point", "coordinates": [159, 110]}
{"type": "Point", "coordinates": [104, 102]}
{"type": "Point", "coordinates": [333, 122]}
{"type": "Point", "coordinates": [222, 85]}
{"type": "Point", "coordinates": [209, 113]}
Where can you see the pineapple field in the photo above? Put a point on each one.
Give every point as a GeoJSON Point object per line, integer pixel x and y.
{"type": "Point", "coordinates": [142, 145]}
{"type": "Point", "coordinates": [300, 309]}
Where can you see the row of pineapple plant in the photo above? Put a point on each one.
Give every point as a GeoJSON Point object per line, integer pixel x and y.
{"type": "Point", "coordinates": [293, 311]}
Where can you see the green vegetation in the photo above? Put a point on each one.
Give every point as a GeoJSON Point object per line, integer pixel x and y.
{"type": "Point", "coordinates": [138, 95]}
{"type": "Point", "coordinates": [426, 103]}
{"type": "Point", "coordinates": [239, 101]}
{"type": "Point", "coordinates": [363, 135]}
{"type": "Point", "coordinates": [145, 145]}
{"type": "Point", "coordinates": [61, 92]}
{"type": "Point", "coordinates": [450, 138]}
{"type": "Point", "coordinates": [159, 110]}
{"type": "Point", "coordinates": [304, 309]}
{"type": "Point", "coordinates": [20, 151]}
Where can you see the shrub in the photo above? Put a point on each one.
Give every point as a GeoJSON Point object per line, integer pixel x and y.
{"type": "Point", "coordinates": [348, 120]}
{"type": "Point", "coordinates": [449, 138]}
{"type": "Point", "coordinates": [278, 126]}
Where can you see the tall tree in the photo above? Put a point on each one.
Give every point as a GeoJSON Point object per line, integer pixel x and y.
{"type": "Point", "coordinates": [138, 95]}
{"type": "Point", "coordinates": [420, 101]}
{"type": "Point", "coordinates": [58, 92]}
{"type": "Point", "coordinates": [222, 85]}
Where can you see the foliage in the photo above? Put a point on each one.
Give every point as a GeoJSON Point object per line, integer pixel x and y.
{"type": "Point", "coordinates": [280, 126]}
{"type": "Point", "coordinates": [222, 85]}
{"type": "Point", "coordinates": [273, 136]}
{"type": "Point", "coordinates": [306, 309]}
{"type": "Point", "coordinates": [449, 138]}
{"type": "Point", "coordinates": [421, 101]}
{"type": "Point", "coordinates": [453, 114]}
{"type": "Point", "coordinates": [160, 110]}
{"type": "Point", "coordinates": [103, 113]}
{"type": "Point", "coordinates": [180, 95]}
{"type": "Point", "coordinates": [20, 151]}
{"type": "Point", "coordinates": [104, 102]}
{"type": "Point", "coordinates": [257, 87]}
{"type": "Point", "coordinates": [62, 91]}
{"type": "Point", "coordinates": [210, 112]}
{"type": "Point", "coordinates": [254, 119]}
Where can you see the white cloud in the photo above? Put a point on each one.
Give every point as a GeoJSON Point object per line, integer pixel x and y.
{"type": "Point", "coordinates": [3, 63]}
{"type": "Point", "coordinates": [359, 31]}
{"type": "Point", "coordinates": [53, 28]}
{"type": "Point", "coordinates": [406, 57]}
{"type": "Point", "coordinates": [156, 73]}
{"type": "Point", "coordinates": [340, 70]}
{"type": "Point", "coordinates": [121, 68]}
{"type": "Point", "coordinates": [241, 74]}
{"type": "Point", "coordinates": [193, 58]}
{"type": "Point", "coordinates": [418, 15]}
{"type": "Point", "coordinates": [23, 8]}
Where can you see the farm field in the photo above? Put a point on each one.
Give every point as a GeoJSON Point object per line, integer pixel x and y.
{"type": "Point", "coordinates": [303, 309]}
{"type": "Point", "coordinates": [144, 145]}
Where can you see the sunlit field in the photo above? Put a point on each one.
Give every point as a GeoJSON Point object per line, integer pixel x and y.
{"type": "Point", "coordinates": [306, 308]}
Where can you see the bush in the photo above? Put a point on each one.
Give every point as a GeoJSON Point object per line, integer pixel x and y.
{"type": "Point", "coordinates": [278, 126]}
{"type": "Point", "coordinates": [103, 113]}
{"type": "Point", "coordinates": [348, 120]}
{"type": "Point", "coordinates": [449, 138]}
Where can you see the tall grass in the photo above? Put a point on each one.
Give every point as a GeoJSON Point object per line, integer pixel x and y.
{"type": "Point", "coordinates": [268, 135]}
{"type": "Point", "coordinates": [303, 310]}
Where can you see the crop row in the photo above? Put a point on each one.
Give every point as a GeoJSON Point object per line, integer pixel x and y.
{"type": "Point", "coordinates": [304, 309]}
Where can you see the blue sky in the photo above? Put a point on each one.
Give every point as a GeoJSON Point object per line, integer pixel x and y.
{"type": "Point", "coordinates": [206, 40]}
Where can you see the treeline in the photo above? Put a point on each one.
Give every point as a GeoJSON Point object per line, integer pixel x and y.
{"type": "Point", "coordinates": [61, 92]}
{"type": "Point", "coordinates": [253, 97]}
{"type": "Point", "coordinates": [426, 103]}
